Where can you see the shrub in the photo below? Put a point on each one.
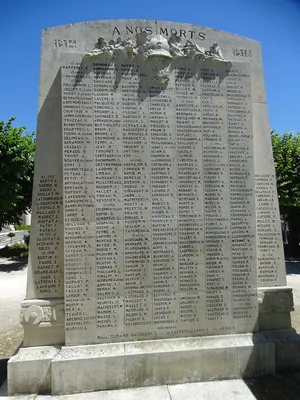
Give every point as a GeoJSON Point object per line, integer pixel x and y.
{"type": "Point", "coordinates": [16, 250]}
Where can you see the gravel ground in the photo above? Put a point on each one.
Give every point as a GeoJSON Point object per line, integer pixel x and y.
{"type": "Point", "coordinates": [13, 287]}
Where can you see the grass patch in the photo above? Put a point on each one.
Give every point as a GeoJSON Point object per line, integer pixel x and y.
{"type": "Point", "coordinates": [22, 227]}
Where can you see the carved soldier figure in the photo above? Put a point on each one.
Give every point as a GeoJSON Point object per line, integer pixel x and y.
{"type": "Point", "coordinates": [191, 50]}
{"type": "Point", "coordinates": [176, 47]}
{"type": "Point", "coordinates": [215, 51]}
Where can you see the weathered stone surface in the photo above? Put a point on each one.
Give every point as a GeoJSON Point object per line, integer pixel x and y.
{"type": "Point", "coordinates": [48, 186]}
{"type": "Point", "coordinates": [29, 370]}
{"type": "Point", "coordinates": [146, 172]}
{"type": "Point", "coordinates": [147, 363]}
{"type": "Point", "coordinates": [169, 361]}
{"type": "Point", "coordinates": [275, 305]}
{"type": "Point", "coordinates": [43, 322]}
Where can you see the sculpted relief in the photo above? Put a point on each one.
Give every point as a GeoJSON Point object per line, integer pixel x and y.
{"type": "Point", "coordinates": [158, 51]}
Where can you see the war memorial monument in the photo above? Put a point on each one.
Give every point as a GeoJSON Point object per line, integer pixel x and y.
{"type": "Point", "coordinates": [156, 252]}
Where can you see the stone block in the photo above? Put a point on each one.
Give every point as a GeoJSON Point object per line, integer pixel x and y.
{"type": "Point", "coordinates": [151, 363]}
{"type": "Point", "coordinates": [88, 368]}
{"type": "Point", "coordinates": [275, 305]}
{"type": "Point", "coordinates": [256, 356]}
{"type": "Point", "coordinates": [29, 371]}
{"type": "Point", "coordinates": [274, 321]}
{"type": "Point", "coordinates": [43, 322]}
{"type": "Point", "coordinates": [287, 349]}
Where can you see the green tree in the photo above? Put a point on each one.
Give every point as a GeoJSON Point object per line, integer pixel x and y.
{"type": "Point", "coordinates": [17, 147]}
{"type": "Point", "coordinates": [286, 152]}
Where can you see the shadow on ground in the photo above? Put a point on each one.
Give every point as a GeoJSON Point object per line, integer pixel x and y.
{"type": "Point", "coordinates": [278, 387]}
{"type": "Point", "coordinates": [13, 264]}
{"type": "Point", "coordinates": [3, 370]}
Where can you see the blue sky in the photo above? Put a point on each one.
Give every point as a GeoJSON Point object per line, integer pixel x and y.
{"type": "Point", "coordinates": [275, 23]}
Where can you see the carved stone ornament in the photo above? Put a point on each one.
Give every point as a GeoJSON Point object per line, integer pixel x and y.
{"type": "Point", "coordinates": [276, 300]}
{"type": "Point", "coordinates": [33, 315]}
{"type": "Point", "coordinates": [157, 49]}
{"type": "Point", "coordinates": [34, 312]}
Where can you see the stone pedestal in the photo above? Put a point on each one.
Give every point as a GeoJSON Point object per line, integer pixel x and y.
{"type": "Point", "coordinates": [29, 371]}
{"type": "Point", "coordinates": [275, 305]}
{"type": "Point", "coordinates": [76, 369]}
{"type": "Point", "coordinates": [58, 370]}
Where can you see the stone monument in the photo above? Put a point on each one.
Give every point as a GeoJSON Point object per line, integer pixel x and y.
{"type": "Point", "coordinates": [156, 252]}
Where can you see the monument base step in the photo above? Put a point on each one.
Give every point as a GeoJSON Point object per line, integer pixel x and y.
{"type": "Point", "coordinates": [78, 369]}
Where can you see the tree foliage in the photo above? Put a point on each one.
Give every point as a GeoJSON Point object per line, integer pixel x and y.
{"type": "Point", "coordinates": [286, 151]}
{"type": "Point", "coordinates": [17, 147]}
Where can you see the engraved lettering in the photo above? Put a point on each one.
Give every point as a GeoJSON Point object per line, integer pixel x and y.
{"type": "Point", "coordinates": [116, 30]}
{"type": "Point", "coordinates": [164, 31]}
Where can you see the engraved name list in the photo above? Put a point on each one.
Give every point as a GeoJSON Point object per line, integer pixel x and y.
{"type": "Point", "coordinates": [158, 201]}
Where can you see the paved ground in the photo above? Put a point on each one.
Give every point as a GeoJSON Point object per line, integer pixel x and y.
{"type": "Point", "coordinates": [279, 387]}
{"type": "Point", "coordinates": [12, 292]}
{"type": "Point", "coordinates": [5, 240]}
